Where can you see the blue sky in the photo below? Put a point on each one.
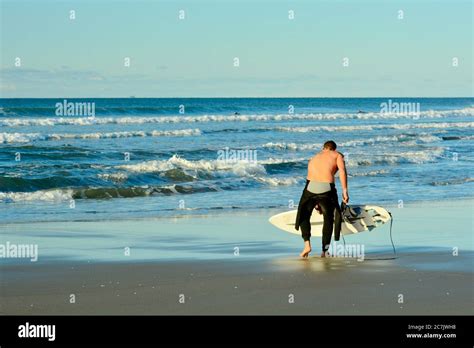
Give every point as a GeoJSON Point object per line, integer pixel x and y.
{"type": "Point", "coordinates": [302, 57]}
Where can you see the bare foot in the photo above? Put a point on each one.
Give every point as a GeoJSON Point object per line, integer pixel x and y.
{"type": "Point", "coordinates": [306, 250]}
{"type": "Point", "coordinates": [325, 254]}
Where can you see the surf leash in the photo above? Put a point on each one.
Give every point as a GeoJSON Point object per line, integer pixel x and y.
{"type": "Point", "coordinates": [391, 239]}
{"type": "Point", "coordinates": [344, 206]}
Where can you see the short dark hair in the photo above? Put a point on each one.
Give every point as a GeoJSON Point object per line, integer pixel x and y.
{"type": "Point", "coordinates": [330, 145]}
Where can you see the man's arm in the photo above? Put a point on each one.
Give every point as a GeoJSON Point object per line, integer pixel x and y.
{"type": "Point", "coordinates": [341, 165]}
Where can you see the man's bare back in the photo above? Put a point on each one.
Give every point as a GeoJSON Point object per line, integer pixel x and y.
{"type": "Point", "coordinates": [324, 165]}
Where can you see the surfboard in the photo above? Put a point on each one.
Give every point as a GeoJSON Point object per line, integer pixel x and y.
{"type": "Point", "coordinates": [356, 219]}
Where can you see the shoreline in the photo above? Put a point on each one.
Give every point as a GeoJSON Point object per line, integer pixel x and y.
{"type": "Point", "coordinates": [415, 226]}
{"type": "Point", "coordinates": [247, 211]}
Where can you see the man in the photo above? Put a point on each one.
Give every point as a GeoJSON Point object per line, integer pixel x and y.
{"type": "Point", "coordinates": [320, 193]}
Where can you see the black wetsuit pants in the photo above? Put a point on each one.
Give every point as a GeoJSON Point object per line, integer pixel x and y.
{"type": "Point", "coordinates": [329, 205]}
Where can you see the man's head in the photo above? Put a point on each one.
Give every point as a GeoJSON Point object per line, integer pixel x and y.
{"type": "Point", "coordinates": [330, 145]}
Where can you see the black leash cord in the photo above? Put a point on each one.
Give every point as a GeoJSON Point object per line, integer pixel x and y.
{"type": "Point", "coordinates": [391, 239]}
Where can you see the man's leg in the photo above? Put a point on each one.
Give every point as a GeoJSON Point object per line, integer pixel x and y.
{"type": "Point", "coordinates": [305, 226]}
{"type": "Point", "coordinates": [337, 216]}
{"type": "Point", "coordinates": [327, 208]}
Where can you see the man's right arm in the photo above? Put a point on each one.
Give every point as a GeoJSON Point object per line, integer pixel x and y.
{"type": "Point", "coordinates": [341, 165]}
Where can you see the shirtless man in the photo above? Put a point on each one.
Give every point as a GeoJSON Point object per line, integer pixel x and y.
{"type": "Point", "coordinates": [320, 191]}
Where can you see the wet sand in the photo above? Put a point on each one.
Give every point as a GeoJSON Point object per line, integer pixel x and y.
{"type": "Point", "coordinates": [240, 264]}
{"type": "Point", "coordinates": [281, 286]}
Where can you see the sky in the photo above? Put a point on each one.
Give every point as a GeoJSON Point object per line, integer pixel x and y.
{"type": "Point", "coordinates": [389, 53]}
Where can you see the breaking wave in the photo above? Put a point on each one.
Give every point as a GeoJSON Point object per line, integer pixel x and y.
{"type": "Point", "coordinates": [88, 121]}
{"type": "Point", "coordinates": [28, 137]}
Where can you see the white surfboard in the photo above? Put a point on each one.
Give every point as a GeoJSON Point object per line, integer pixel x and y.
{"type": "Point", "coordinates": [356, 218]}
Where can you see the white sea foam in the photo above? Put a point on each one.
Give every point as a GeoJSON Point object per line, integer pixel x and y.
{"type": "Point", "coordinates": [291, 146]}
{"type": "Point", "coordinates": [240, 168]}
{"type": "Point", "coordinates": [277, 181]}
{"type": "Point", "coordinates": [420, 157]}
{"type": "Point", "coordinates": [65, 195]}
{"type": "Point", "coordinates": [369, 127]}
{"type": "Point", "coordinates": [115, 177]}
{"type": "Point", "coordinates": [29, 137]}
{"type": "Point", "coordinates": [87, 121]}
{"type": "Point", "coordinates": [41, 195]}
{"type": "Point", "coordinates": [18, 137]}
{"type": "Point", "coordinates": [282, 160]}
{"type": "Point", "coordinates": [214, 167]}
{"type": "Point", "coordinates": [370, 173]}
{"type": "Point", "coordinates": [423, 137]}
{"type": "Point", "coordinates": [459, 181]}
{"type": "Point", "coordinates": [247, 168]}
{"type": "Point", "coordinates": [417, 157]}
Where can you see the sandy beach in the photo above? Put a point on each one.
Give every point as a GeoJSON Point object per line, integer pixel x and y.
{"type": "Point", "coordinates": [191, 266]}
{"type": "Point", "coordinates": [317, 286]}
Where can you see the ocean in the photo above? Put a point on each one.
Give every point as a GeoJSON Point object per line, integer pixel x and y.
{"type": "Point", "coordinates": [126, 158]}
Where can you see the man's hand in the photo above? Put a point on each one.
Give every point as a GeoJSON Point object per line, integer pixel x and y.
{"type": "Point", "coordinates": [345, 196]}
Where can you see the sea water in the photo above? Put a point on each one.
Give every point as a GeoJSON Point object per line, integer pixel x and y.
{"type": "Point", "coordinates": [95, 159]}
